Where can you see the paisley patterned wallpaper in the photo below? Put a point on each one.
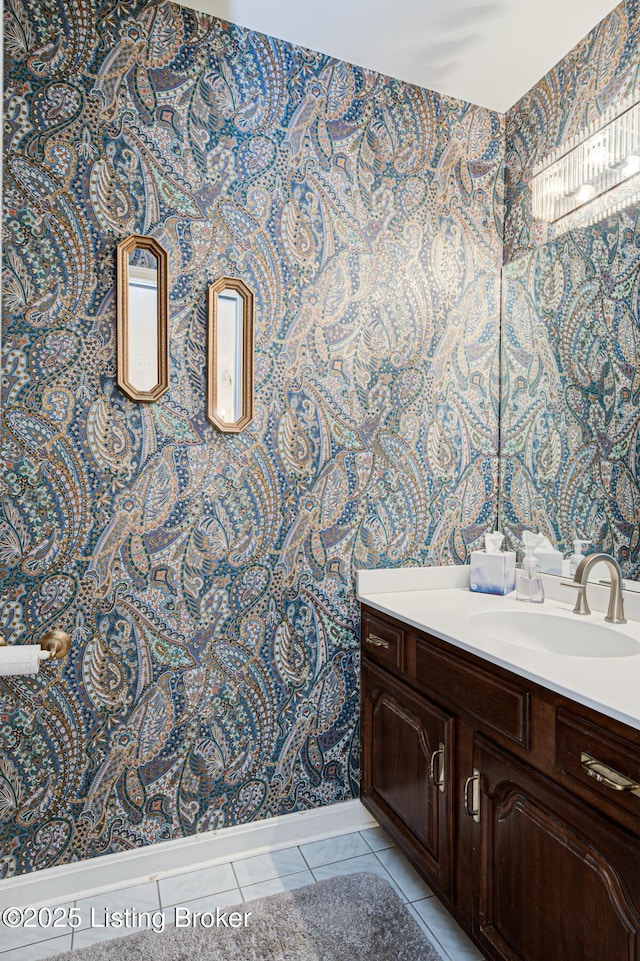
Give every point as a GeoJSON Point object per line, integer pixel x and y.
{"type": "Point", "coordinates": [207, 580]}
{"type": "Point", "coordinates": [571, 331]}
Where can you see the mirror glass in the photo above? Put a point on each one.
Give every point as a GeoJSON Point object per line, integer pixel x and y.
{"type": "Point", "coordinates": [143, 318]}
{"type": "Point", "coordinates": [142, 369]}
{"type": "Point", "coordinates": [230, 355]}
{"type": "Point", "coordinates": [570, 381]}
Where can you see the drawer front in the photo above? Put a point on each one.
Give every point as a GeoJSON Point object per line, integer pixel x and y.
{"type": "Point", "coordinates": [487, 697]}
{"type": "Point", "coordinates": [382, 641]}
{"type": "Point", "coordinates": [608, 765]}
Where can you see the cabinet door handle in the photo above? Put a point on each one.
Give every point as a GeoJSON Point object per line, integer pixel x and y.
{"type": "Point", "coordinates": [608, 776]}
{"type": "Point", "coordinates": [473, 781]}
{"type": "Point", "coordinates": [439, 780]}
{"type": "Point", "coordinates": [376, 641]}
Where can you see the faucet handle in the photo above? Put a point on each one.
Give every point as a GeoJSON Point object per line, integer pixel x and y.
{"type": "Point", "coordinates": [607, 583]}
{"type": "Point", "coordinates": [582, 607]}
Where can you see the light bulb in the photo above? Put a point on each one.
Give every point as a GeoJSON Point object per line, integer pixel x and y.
{"type": "Point", "coordinates": [584, 193]}
{"type": "Point", "coordinates": [631, 165]}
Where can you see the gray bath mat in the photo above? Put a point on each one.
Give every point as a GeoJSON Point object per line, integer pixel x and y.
{"type": "Point", "coordinates": [353, 918]}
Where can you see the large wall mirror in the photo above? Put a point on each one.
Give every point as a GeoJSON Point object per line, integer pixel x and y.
{"type": "Point", "coordinates": [570, 406]}
{"type": "Point", "coordinates": [143, 318]}
{"type": "Point", "coordinates": [230, 355]}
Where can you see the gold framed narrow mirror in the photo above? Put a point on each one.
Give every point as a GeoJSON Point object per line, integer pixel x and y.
{"type": "Point", "coordinates": [142, 279]}
{"type": "Point", "coordinates": [230, 355]}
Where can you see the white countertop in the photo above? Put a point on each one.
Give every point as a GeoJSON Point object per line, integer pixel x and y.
{"type": "Point", "coordinates": [438, 600]}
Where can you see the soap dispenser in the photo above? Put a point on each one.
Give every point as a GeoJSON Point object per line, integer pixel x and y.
{"type": "Point", "coordinates": [577, 557]}
{"type": "Point", "coordinates": [529, 582]}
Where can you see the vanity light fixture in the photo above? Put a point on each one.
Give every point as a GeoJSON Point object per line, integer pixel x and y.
{"type": "Point", "coordinates": [592, 175]}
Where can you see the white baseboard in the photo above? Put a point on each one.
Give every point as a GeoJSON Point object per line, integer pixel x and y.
{"type": "Point", "coordinates": [97, 875]}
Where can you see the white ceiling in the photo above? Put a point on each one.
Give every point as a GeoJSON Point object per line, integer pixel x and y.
{"type": "Point", "coordinates": [489, 52]}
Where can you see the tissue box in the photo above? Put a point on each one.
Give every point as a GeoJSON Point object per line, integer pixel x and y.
{"type": "Point", "coordinates": [492, 573]}
{"type": "Point", "coordinates": [549, 562]}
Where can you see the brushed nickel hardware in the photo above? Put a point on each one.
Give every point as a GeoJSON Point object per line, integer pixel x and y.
{"type": "Point", "coordinates": [473, 809]}
{"type": "Point", "coordinates": [57, 643]}
{"type": "Point", "coordinates": [376, 641]}
{"type": "Point", "coordinates": [439, 780]}
{"type": "Point", "coordinates": [615, 612]}
{"type": "Point", "coordinates": [581, 606]}
{"type": "Point", "coordinates": [608, 776]}
{"type": "Point", "coordinates": [576, 587]}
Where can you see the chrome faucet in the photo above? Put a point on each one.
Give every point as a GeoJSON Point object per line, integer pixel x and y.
{"type": "Point", "coordinates": [615, 612]}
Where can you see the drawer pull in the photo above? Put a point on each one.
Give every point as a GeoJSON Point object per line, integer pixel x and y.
{"type": "Point", "coordinates": [608, 776]}
{"type": "Point", "coordinates": [473, 809]}
{"type": "Point", "coordinates": [376, 641]}
{"type": "Point", "coordinates": [437, 755]}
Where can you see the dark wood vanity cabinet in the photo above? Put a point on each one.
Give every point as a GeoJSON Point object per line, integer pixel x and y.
{"type": "Point", "coordinates": [482, 778]}
{"type": "Point", "coordinates": [554, 878]}
{"type": "Point", "coordinates": [406, 741]}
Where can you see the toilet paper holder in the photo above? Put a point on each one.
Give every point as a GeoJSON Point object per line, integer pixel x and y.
{"type": "Point", "coordinates": [55, 642]}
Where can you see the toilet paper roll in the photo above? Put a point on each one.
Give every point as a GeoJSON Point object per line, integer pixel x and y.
{"type": "Point", "coordinates": [21, 659]}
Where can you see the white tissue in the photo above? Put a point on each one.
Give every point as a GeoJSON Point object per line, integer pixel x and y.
{"type": "Point", "coordinates": [536, 542]}
{"type": "Point", "coordinates": [493, 542]}
{"type": "Point", "coordinates": [537, 545]}
{"type": "Point", "coordinates": [21, 659]}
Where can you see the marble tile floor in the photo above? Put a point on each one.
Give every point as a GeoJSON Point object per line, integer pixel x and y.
{"type": "Point", "coordinates": [247, 878]}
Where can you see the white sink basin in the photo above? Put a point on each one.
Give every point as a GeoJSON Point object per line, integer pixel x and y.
{"type": "Point", "coordinates": [570, 635]}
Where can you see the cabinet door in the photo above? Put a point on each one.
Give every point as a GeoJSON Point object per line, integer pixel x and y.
{"type": "Point", "coordinates": [403, 784]}
{"type": "Point", "coordinates": [556, 880]}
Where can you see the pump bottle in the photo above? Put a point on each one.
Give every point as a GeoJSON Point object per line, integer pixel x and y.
{"type": "Point", "coordinates": [579, 547]}
{"type": "Point", "coordinates": [529, 582]}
